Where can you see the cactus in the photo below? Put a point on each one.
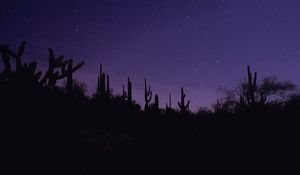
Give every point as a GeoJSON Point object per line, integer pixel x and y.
{"type": "Point", "coordinates": [69, 74]}
{"type": "Point", "coordinates": [31, 71]}
{"type": "Point", "coordinates": [107, 86]}
{"type": "Point", "coordinates": [127, 95]}
{"type": "Point", "coordinates": [156, 103]}
{"type": "Point", "coordinates": [169, 106]}
{"type": "Point", "coordinates": [17, 55]}
{"type": "Point", "coordinates": [147, 95]}
{"type": "Point", "coordinates": [5, 58]}
{"type": "Point", "coordinates": [103, 86]}
{"type": "Point", "coordinates": [251, 87]}
{"type": "Point", "coordinates": [129, 89]}
{"type": "Point", "coordinates": [27, 71]}
{"type": "Point", "coordinates": [124, 93]}
{"type": "Point", "coordinates": [7, 54]}
{"type": "Point", "coordinates": [218, 106]}
{"type": "Point", "coordinates": [51, 76]}
{"type": "Point", "coordinates": [183, 107]}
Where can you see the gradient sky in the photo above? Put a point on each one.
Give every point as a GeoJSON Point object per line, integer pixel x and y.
{"type": "Point", "coordinates": [201, 45]}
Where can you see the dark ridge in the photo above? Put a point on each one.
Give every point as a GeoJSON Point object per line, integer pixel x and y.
{"type": "Point", "coordinates": [51, 129]}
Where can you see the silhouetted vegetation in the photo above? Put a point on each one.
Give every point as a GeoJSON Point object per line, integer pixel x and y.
{"type": "Point", "coordinates": [51, 129]}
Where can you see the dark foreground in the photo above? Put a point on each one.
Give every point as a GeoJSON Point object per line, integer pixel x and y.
{"type": "Point", "coordinates": [75, 141]}
{"type": "Point", "coordinates": [48, 129]}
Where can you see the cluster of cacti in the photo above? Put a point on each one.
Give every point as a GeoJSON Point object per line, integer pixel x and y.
{"type": "Point", "coordinates": [252, 95]}
{"type": "Point", "coordinates": [147, 95]}
{"type": "Point", "coordinates": [28, 71]}
{"type": "Point", "coordinates": [7, 54]}
{"type": "Point", "coordinates": [127, 95]}
{"type": "Point", "coordinates": [60, 68]}
{"type": "Point", "coordinates": [184, 107]}
{"type": "Point", "coordinates": [52, 75]}
{"type": "Point", "coordinates": [103, 87]}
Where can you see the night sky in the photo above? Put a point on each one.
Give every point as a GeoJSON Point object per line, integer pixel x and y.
{"type": "Point", "coordinates": [201, 45]}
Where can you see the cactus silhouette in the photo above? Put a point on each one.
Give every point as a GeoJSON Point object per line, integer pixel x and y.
{"type": "Point", "coordinates": [251, 86]}
{"type": "Point", "coordinates": [51, 76]}
{"type": "Point", "coordinates": [147, 95]}
{"type": "Point", "coordinates": [127, 95]}
{"type": "Point", "coordinates": [169, 106]}
{"type": "Point", "coordinates": [23, 71]}
{"type": "Point", "coordinates": [156, 102]}
{"type": "Point", "coordinates": [69, 74]}
{"type": "Point", "coordinates": [129, 89]}
{"type": "Point", "coordinates": [124, 93]}
{"type": "Point", "coordinates": [103, 86]}
{"type": "Point", "coordinates": [17, 55]}
{"type": "Point", "coordinates": [107, 86]}
{"type": "Point", "coordinates": [184, 107]}
{"type": "Point", "coordinates": [5, 58]}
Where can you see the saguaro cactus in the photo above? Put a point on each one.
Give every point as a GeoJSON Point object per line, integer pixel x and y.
{"type": "Point", "coordinates": [251, 87]}
{"type": "Point", "coordinates": [52, 76]}
{"type": "Point", "coordinates": [107, 86]}
{"type": "Point", "coordinates": [127, 95]}
{"type": "Point", "coordinates": [183, 107]}
{"type": "Point", "coordinates": [24, 71]}
{"type": "Point", "coordinates": [156, 102]}
{"type": "Point", "coordinates": [69, 74]}
{"type": "Point", "coordinates": [103, 86]}
{"type": "Point", "coordinates": [169, 106]}
{"type": "Point", "coordinates": [17, 55]}
{"type": "Point", "coordinates": [129, 89]}
{"type": "Point", "coordinates": [5, 57]}
{"type": "Point", "coordinates": [147, 95]}
{"type": "Point", "coordinates": [124, 93]}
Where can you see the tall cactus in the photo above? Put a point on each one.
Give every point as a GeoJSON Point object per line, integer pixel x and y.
{"type": "Point", "coordinates": [147, 95]}
{"type": "Point", "coordinates": [124, 93]}
{"type": "Point", "coordinates": [5, 57]}
{"type": "Point", "coordinates": [103, 86]}
{"type": "Point", "coordinates": [156, 102]}
{"type": "Point", "coordinates": [183, 107]}
{"type": "Point", "coordinates": [169, 106]}
{"type": "Point", "coordinates": [18, 55]}
{"type": "Point", "coordinates": [27, 71]}
{"type": "Point", "coordinates": [107, 86]}
{"type": "Point", "coordinates": [7, 53]}
{"type": "Point", "coordinates": [129, 89]}
{"type": "Point", "coordinates": [251, 87]}
{"type": "Point", "coordinates": [127, 95]}
{"type": "Point", "coordinates": [51, 76]}
{"type": "Point", "coordinates": [69, 74]}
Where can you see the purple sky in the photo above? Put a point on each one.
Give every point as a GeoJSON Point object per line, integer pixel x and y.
{"type": "Point", "coordinates": [198, 44]}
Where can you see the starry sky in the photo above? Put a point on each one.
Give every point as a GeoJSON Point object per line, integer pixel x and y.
{"type": "Point", "coordinates": [202, 45]}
